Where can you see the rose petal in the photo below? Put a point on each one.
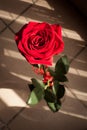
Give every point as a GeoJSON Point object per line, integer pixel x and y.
{"type": "Point", "coordinates": [57, 29]}
{"type": "Point", "coordinates": [32, 60]}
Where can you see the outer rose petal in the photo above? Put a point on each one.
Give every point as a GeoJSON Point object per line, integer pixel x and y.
{"type": "Point", "coordinates": [58, 39]}
{"type": "Point", "coordinates": [47, 62]}
{"type": "Point", "coordinates": [57, 29]}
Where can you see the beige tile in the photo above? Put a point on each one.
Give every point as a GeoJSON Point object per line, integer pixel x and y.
{"type": "Point", "coordinates": [1, 124]}
{"type": "Point", "coordinates": [73, 33]}
{"type": "Point", "coordinates": [44, 3]}
{"type": "Point", "coordinates": [40, 14]}
{"type": "Point", "coordinates": [33, 14]}
{"type": "Point", "coordinates": [13, 65]}
{"type": "Point", "coordinates": [37, 12]}
{"type": "Point", "coordinates": [78, 77]}
{"type": "Point", "coordinates": [40, 117]}
{"type": "Point", "coordinates": [6, 128]}
{"type": "Point", "coordinates": [59, 121]}
{"type": "Point", "coordinates": [11, 9]}
{"type": "Point", "coordinates": [72, 47]}
{"type": "Point", "coordinates": [15, 72]}
{"type": "Point", "coordinates": [2, 26]}
{"type": "Point", "coordinates": [13, 97]}
{"type": "Point", "coordinates": [13, 83]}
{"type": "Point", "coordinates": [17, 25]}
{"type": "Point", "coordinates": [73, 106]}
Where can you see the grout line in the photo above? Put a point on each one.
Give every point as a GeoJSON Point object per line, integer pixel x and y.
{"type": "Point", "coordinates": [4, 125]}
{"type": "Point", "coordinates": [9, 122]}
{"type": "Point", "coordinates": [3, 128]}
{"type": "Point", "coordinates": [78, 53]}
{"type": "Point", "coordinates": [8, 25]}
{"type": "Point", "coordinates": [69, 88]}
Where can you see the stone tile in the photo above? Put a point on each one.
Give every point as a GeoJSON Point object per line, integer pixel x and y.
{"type": "Point", "coordinates": [33, 14]}
{"type": "Point", "coordinates": [1, 124]}
{"type": "Point", "coordinates": [41, 13]}
{"type": "Point", "coordinates": [17, 25]}
{"type": "Point", "coordinates": [37, 12]}
{"type": "Point", "coordinates": [16, 72]}
{"type": "Point", "coordinates": [73, 33]}
{"type": "Point", "coordinates": [13, 64]}
{"type": "Point", "coordinates": [71, 48]}
{"type": "Point", "coordinates": [2, 26]}
{"type": "Point", "coordinates": [72, 105]}
{"type": "Point", "coordinates": [44, 3]}
{"type": "Point", "coordinates": [4, 127]}
{"type": "Point", "coordinates": [13, 96]}
{"type": "Point", "coordinates": [11, 9]}
{"type": "Point", "coordinates": [78, 77]}
{"type": "Point", "coordinates": [13, 84]}
{"type": "Point", "coordinates": [80, 63]}
{"type": "Point", "coordinates": [40, 117]}
{"type": "Point", "coordinates": [59, 121]}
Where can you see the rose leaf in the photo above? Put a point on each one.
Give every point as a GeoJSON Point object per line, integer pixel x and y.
{"type": "Point", "coordinates": [55, 87]}
{"type": "Point", "coordinates": [49, 95]}
{"type": "Point", "coordinates": [62, 65]}
{"type": "Point", "coordinates": [31, 87]}
{"type": "Point", "coordinates": [61, 91]}
{"type": "Point", "coordinates": [38, 83]}
{"type": "Point", "coordinates": [60, 78]}
{"type": "Point", "coordinates": [54, 106]}
{"type": "Point", "coordinates": [36, 95]}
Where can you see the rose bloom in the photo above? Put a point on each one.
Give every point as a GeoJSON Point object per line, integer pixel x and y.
{"type": "Point", "coordinates": [39, 42]}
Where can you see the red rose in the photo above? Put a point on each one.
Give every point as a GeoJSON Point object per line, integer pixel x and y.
{"type": "Point", "coordinates": [38, 42]}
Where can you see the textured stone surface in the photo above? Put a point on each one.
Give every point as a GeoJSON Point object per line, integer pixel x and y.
{"type": "Point", "coordinates": [16, 73]}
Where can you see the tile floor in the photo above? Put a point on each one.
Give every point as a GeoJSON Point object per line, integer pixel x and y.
{"type": "Point", "coordinates": [15, 72]}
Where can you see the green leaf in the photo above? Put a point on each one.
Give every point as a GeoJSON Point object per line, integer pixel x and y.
{"type": "Point", "coordinates": [31, 86]}
{"type": "Point", "coordinates": [55, 87]}
{"type": "Point", "coordinates": [54, 106]}
{"type": "Point", "coordinates": [58, 104]}
{"type": "Point", "coordinates": [60, 78]}
{"type": "Point", "coordinates": [38, 83]}
{"type": "Point", "coordinates": [49, 95]}
{"type": "Point", "coordinates": [62, 65]}
{"type": "Point", "coordinates": [58, 90]}
{"type": "Point", "coordinates": [61, 91]}
{"type": "Point", "coordinates": [36, 95]}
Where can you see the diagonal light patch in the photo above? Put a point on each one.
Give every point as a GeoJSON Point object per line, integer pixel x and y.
{"type": "Point", "coordinates": [78, 72]}
{"type": "Point", "coordinates": [11, 98]}
{"type": "Point", "coordinates": [21, 76]}
{"type": "Point", "coordinates": [81, 95]}
{"type": "Point", "coordinates": [69, 113]}
{"type": "Point", "coordinates": [13, 54]}
{"type": "Point", "coordinates": [71, 34]}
